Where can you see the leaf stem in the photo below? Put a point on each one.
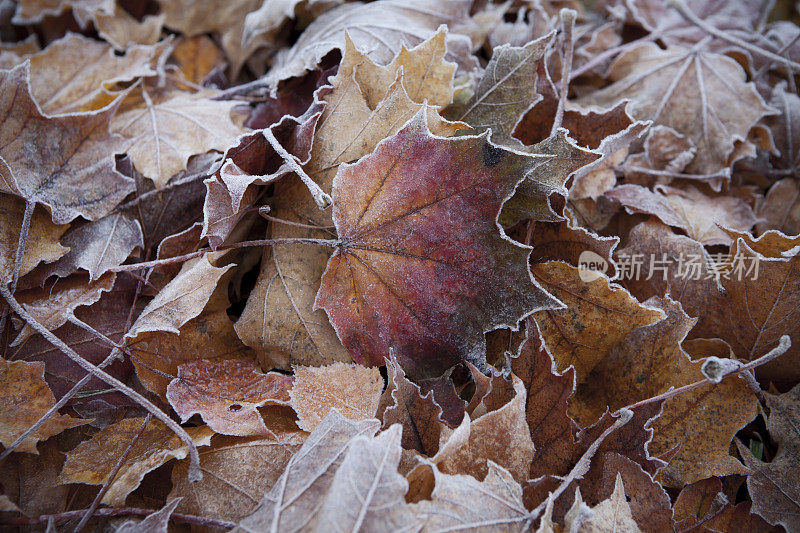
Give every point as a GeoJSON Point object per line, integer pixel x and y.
{"type": "Point", "coordinates": [113, 511]}
{"type": "Point", "coordinates": [322, 199]}
{"type": "Point", "coordinates": [568, 24]}
{"type": "Point", "coordinates": [194, 458]}
{"type": "Point", "coordinates": [244, 244]}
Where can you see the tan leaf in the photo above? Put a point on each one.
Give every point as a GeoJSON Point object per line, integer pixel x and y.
{"type": "Point", "coordinates": [226, 17]}
{"type": "Point", "coordinates": [76, 73]}
{"type": "Point", "coordinates": [197, 57]}
{"type": "Point", "coordinates": [613, 514]}
{"type": "Point", "coordinates": [501, 437]}
{"type": "Point", "coordinates": [409, 22]}
{"type": "Point", "coordinates": [689, 209]}
{"type": "Point", "coordinates": [123, 31]}
{"type": "Point", "coordinates": [598, 315]}
{"type": "Point", "coordinates": [24, 398]}
{"type": "Point", "coordinates": [237, 473]}
{"type": "Point", "coordinates": [426, 73]}
{"type": "Point", "coordinates": [42, 244]}
{"type": "Point", "coordinates": [54, 308]}
{"type": "Point", "coordinates": [699, 94]}
{"type": "Point", "coordinates": [227, 395]}
{"type": "Point", "coordinates": [296, 498]}
{"type": "Point", "coordinates": [351, 389]}
{"type": "Point", "coordinates": [182, 299]}
{"type": "Point", "coordinates": [165, 128]}
{"type": "Point", "coordinates": [92, 461]}
{"type": "Point", "coordinates": [452, 506]}
{"type": "Point", "coordinates": [98, 246]}
{"type": "Point", "coordinates": [368, 493]}
{"type": "Point", "coordinates": [66, 163]}
{"type": "Point", "coordinates": [30, 11]}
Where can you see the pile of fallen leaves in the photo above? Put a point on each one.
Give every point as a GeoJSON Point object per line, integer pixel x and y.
{"type": "Point", "coordinates": [404, 265]}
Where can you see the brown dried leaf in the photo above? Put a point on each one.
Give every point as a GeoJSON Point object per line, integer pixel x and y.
{"type": "Point", "coordinates": [676, 86]}
{"type": "Point", "coordinates": [420, 416]}
{"type": "Point", "coordinates": [98, 246]}
{"type": "Point", "coordinates": [296, 498]}
{"type": "Point", "coordinates": [500, 437]}
{"type": "Point", "coordinates": [773, 486]}
{"type": "Point", "coordinates": [688, 209]}
{"type": "Point", "coordinates": [700, 423]}
{"type": "Point", "coordinates": [197, 57]}
{"type": "Point", "coordinates": [452, 506]}
{"type": "Point", "coordinates": [550, 427]}
{"type": "Point", "coordinates": [353, 390]}
{"type": "Point", "coordinates": [123, 31]}
{"type": "Point", "coordinates": [182, 299]}
{"type": "Point", "coordinates": [65, 163]}
{"type": "Point", "coordinates": [31, 11]}
{"type": "Point", "coordinates": [92, 461]}
{"type": "Point", "coordinates": [613, 514]}
{"type": "Point", "coordinates": [30, 481]}
{"type": "Point", "coordinates": [227, 395]}
{"type": "Point", "coordinates": [238, 472]}
{"type": "Point", "coordinates": [164, 128]}
{"type": "Point", "coordinates": [225, 17]}
{"type": "Point", "coordinates": [53, 308]}
{"type": "Point", "coordinates": [155, 522]}
{"type": "Point", "coordinates": [158, 354]}
{"type": "Point", "coordinates": [780, 209]}
{"type": "Point", "coordinates": [77, 74]}
{"type": "Point", "coordinates": [505, 92]}
{"type": "Point", "coordinates": [42, 244]}
{"type": "Point", "coordinates": [109, 316]}
{"type": "Point", "coordinates": [367, 493]}
{"type": "Point", "coordinates": [598, 315]}
{"type": "Point", "coordinates": [24, 398]}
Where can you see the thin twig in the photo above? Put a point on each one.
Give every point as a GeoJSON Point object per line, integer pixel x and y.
{"type": "Point", "coordinates": [22, 242]}
{"type": "Point", "coordinates": [783, 346]}
{"type": "Point", "coordinates": [111, 512]}
{"type": "Point", "coordinates": [244, 244]}
{"type": "Point", "coordinates": [567, 24]}
{"type": "Point", "coordinates": [582, 466]}
{"type": "Point", "coordinates": [107, 485]}
{"type": "Point", "coordinates": [689, 15]}
{"type": "Point", "coordinates": [194, 458]}
{"type": "Point", "coordinates": [322, 199]}
{"type": "Point", "coordinates": [83, 325]}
